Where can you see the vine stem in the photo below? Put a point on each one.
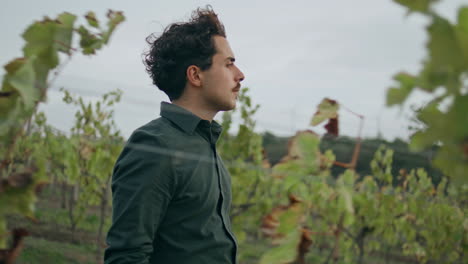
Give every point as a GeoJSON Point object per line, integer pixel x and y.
{"type": "Point", "coordinates": [335, 250]}
{"type": "Point", "coordinates": [357, 148]}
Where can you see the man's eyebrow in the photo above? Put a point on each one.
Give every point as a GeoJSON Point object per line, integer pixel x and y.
{"type": "Point", "coordinates": [231, 59]}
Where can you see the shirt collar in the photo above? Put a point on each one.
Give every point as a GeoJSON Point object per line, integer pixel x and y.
{"type": "Point", "coordinates": [186, 120]}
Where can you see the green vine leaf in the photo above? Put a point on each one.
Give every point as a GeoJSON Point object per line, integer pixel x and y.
{"type": "Point", "coordinates": [444, 50]}
{"type": "Point", "coordinates": [39, 39]}
{"type": "Point", "coordinates": [285, 253]}
{"type": "Point", "coordinates": [115, 18]}
{"type": "Point", "coordinates": [64, 32]}
{"type": "Point", "coordinates": [91, 19]}
{"type": "Point", "coordinates": [327, 109]}
{"type": "Point", "coordinates": [417, 5]}
{"type": "Point", "coordinates": [89, 42]}
{"type": "Point", "coordinates": [461, 31]}
{"type": "Point", "coordinates": [21, 77]}
{"type": "Point", "coordinates": [406, 84]}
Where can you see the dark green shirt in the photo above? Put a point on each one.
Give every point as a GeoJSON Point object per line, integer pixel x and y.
{"type": "Point", "coordinates": [171, 195]}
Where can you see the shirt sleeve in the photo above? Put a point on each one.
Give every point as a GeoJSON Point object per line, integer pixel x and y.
{"type": "Point", "coordinates": [142, 187]}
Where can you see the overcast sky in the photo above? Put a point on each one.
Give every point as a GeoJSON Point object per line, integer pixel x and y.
{"type": "Point", "coordinates": [293, 54]}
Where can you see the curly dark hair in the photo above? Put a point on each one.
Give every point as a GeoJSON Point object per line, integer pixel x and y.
{"type": "Point", "coordinates": [182, 45]}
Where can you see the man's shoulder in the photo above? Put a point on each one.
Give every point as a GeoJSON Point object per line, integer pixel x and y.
{"type": "Point", "coordinates": [148, 141]}
{"type": "Point", "coordinates": [157, 131]}
{"type": "Point", "coordinates": [154, 127]}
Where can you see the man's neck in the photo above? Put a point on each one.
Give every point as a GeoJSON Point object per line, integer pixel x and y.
{"type": "Point", "coordinates": [195, 108]}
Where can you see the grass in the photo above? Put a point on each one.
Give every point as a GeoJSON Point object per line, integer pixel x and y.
{"type": "Point", "coordinates": [51, 239]}
{"type": "Point", "coordinates": [50, 211]}
{"type": "Point", "coordinates": [39, 251]}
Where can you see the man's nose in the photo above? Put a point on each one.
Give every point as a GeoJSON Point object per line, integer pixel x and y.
{"type": "Point", "coordinates": [240, 76]}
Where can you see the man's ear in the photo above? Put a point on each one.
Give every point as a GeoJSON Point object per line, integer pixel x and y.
{"type": "Point", "coordinates": [193, 75]}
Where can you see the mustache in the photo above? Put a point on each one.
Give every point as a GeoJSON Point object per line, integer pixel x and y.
{"type": "Point", "coordinates": [237, 88]}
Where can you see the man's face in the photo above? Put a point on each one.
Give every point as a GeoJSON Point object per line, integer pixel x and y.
{"type": "Point", "coordinates": [221, 82]}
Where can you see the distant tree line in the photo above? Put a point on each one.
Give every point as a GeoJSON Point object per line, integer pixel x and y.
{"type": "Point", "coordinates": [343, 147]}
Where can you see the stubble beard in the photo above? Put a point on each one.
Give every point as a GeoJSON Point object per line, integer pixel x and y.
{"type": "Point", "coordinates": [230, 104]}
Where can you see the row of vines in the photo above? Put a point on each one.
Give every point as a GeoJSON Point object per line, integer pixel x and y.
{"type": "Point", "coordinates": [32, 153]}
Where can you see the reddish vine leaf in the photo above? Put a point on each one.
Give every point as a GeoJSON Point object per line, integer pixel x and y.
{"type": "Point", "coordinates": [271, 223]}
{"type": "Point", "coordinates": [289, 216]}
{"type": "Point", "coordinates": [332, 126]}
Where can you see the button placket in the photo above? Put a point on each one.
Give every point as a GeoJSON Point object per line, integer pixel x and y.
{"type": "Point", "coordinates": [221, 191]}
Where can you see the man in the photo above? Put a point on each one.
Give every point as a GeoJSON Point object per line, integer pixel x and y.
{"type": "Point", "coordinates": [171, 191]}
